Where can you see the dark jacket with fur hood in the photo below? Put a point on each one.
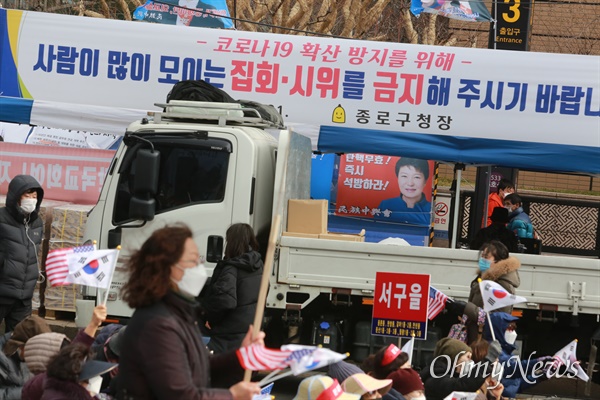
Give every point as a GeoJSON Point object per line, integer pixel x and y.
{"type": "Point", "coordinates": [506, 274]}
{"type": "Point", "coordinates": [20, 236]}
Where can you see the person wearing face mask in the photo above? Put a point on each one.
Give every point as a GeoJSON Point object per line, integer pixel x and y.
{"type": "Point", "coordinates": [452, 369]}
{"type": "Point", "coordinates": [229, 302]}
{"type": "Point", "coordinates": [21, 232]}
{"type": "Point", "coordinates": [505, 187]}
{"type": "Point", "coordinates": [496, 265]}
{"type": "Point", "coordinates": [513, 378]}
{"type": "Point", "coordinates": [162, 354]}
{"type": "Point", "coordinates": [72, 374]}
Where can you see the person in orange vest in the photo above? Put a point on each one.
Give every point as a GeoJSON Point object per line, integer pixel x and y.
{"type": "Point", "coordinates": [505, 187]}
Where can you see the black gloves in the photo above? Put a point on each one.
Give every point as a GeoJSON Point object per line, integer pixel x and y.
{"type": "Point", "coordinates": [493, 351]}
{"type": "Point", "coordinates": [456, 307]}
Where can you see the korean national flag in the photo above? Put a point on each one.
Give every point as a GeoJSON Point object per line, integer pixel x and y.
{"type": "Point", "coordinates": [495, 296]}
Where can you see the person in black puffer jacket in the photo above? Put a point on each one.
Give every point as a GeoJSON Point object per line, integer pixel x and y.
{"type": "Point", "coordinates": [21, 232]}
{"type": "Point", "coordinates": [230, 300]}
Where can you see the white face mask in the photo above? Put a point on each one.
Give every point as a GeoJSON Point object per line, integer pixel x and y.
{"type": "Point", "coordinates": [193, 280]}
{"type": "Point", "coordinates": [510, 337]}
{"type": "Point", "coordinates": [28, 205]}
{"type": "Point", "coordinates": [94, 385]}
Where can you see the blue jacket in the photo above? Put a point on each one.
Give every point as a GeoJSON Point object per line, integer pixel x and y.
{"type": "Point", "coordinates": [513, 380]}
{"type": "Point", "coordinates": [520, 224]}
{"type": "Point", "coordinates": [13, 373]}
{"type": "Point", "coordinates": [396, 210]}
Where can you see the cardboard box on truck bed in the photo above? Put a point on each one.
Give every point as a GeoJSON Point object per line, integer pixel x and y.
{"type": "Point", "coordinates": [307, 216]}
{"type": "Point", "coordinates": [360, 237]}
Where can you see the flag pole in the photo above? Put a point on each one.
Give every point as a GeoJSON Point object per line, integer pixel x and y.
{"type": "Point", "coordinates": [111, 275]}
{"type": "Point", "coordinates": [491, 326]}
{"type": "Point", "coordinates": [412, 348]}
{"type": "Point", "coordinates": [264, 284]}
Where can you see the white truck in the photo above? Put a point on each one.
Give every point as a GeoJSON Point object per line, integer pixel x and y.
{"type": "Point", "coordinates": [211, 164]}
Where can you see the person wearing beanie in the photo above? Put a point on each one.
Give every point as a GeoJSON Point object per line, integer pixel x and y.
{"type": "Point", "coordinates": [13, 371]}
{"type": "Point", "coordinates": [496, 231]}
{"type": "Point", "coordinates": [366, 386]}
{"type": "Point", "coordinates": [41, 349]}
{"type": "Point", "coordinates": [343, 370]}
{"type": "Point", "coordinates": [408, 382]}
{"type": "Point", "coordinates": [452, 369]}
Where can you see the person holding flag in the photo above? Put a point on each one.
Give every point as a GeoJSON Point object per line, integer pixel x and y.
{"type": "Point", "coordinates": [516, 378]}
{"type": "Point", "coordinates": [162, 353]}
{"type": "Point", "coordinates": [496, 265]}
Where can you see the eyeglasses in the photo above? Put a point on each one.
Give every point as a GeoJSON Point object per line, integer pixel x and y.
{"type": "Point", "coordinates": [199, 260]}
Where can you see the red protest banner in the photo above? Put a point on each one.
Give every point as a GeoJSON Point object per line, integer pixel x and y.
{"type": "Point", "coordinates": [400, 305]}
{"type": "Point", "coordinates": [66, 174]}
{"type": "Point", "coordinates": [393, 189]}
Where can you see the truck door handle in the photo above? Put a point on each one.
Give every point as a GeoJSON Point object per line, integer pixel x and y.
{"type": "Point", "coordinates": [214, 248]}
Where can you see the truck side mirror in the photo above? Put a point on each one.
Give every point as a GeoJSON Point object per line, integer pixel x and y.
{"type": "Point", "coordinates": [214, 248]}
{"type": "Point", "coordinates": [147, 168]}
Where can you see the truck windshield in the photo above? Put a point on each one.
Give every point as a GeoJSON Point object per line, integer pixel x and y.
{"type": "Point", "coordinates": [188, 174]}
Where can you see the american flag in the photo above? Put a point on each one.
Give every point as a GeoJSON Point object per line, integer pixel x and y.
{"type": "Point", "coordinates": [57, 263]}
{"type": "Point", "coordinates": [437, 302]}
{"type": "Point", "coordinates": [257, 357]}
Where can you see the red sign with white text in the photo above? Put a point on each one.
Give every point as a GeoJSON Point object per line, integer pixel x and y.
{"type": "Point", "coordinates": [400, 305]}
{"type": "Point", "coordinates": [384, 188]}
{"type": "Point", "coordinates": [66, 174]}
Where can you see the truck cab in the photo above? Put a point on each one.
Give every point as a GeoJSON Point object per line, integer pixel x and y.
{"type": "Point", "coordinates": [207, 165]}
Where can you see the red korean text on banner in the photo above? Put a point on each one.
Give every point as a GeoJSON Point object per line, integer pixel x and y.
{"type": "Point", "coordinates": [384, 188]}
{"type": "Point", "coordinates": [66, 174]}
{"type": "Point", "coordinates": [400, 305]}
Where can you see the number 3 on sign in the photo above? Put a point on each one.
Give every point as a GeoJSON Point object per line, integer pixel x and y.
{"type": "Point", "coordinates": [516, 13]}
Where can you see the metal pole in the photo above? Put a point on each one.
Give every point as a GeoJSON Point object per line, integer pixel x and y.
{"type": "Point", "coordinates": [456, 207]}
{"type": "Point", "coordinates": [495, 23]}
{"type": "Point", "coordinates": [487, 195]}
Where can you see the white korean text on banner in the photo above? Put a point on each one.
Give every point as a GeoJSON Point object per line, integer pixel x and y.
{"type": "Point", "coordinates": [400, 305]}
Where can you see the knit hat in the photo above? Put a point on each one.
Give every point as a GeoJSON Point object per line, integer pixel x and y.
{"type": "Point", "coordinates": [391, 353]}
{"type": "Point", "coordinates": [40, 349]}
{"type": "Point", "coordinates": [321, 387]}
{"type": "Point", "coordinates": [342, 370]}
{"type": "Point", "coordinates": [363, 383]}
{"type": "Point", "coordinates": [500, 215]}
{"type": "Point", "coordinates": [406, 380]}
{"type": "Point", "coordinates": [115, 340]}
{"type": "Point", "coordinates": [450, 347]}
{"type": "Point", "coordinates": [28, 328]}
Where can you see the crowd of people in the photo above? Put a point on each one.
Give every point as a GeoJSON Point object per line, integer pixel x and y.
{"type": "Point", "coordinates": [161, 353]}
